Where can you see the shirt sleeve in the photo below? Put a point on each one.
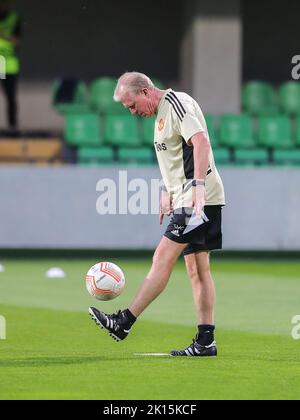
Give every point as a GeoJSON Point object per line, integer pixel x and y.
{"type": "Point", "coordinates": [188, 123]}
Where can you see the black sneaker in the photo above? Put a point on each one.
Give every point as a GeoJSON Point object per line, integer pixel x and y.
{"type": "Point", "coordinates": [115, 324]}
{"type": "Point", "coordinates": [195, 349]}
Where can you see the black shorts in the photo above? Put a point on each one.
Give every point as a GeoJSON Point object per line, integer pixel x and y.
{"type": "Point", "coordinates": [201, 234]}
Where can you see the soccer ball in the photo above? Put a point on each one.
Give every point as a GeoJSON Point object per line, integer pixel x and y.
{"type": "Point", "coordinates": [105, 281]}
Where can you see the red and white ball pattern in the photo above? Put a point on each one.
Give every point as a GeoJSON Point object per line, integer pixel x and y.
{"type": "Point", "coordinates": [105, 281]}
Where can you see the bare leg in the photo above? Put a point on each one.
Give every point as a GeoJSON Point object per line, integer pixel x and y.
{"type": "Point", "coordinates": [164, 259]}
{"type": "Point", "coordinates": [204, 294]}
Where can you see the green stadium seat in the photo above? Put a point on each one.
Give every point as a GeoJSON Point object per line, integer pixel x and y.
{"type": "Point", "coordinates": [82, 129]}
{"type": "Point", "coordinates": [275, 132]}
{"type": "Point", "coordinates": [259, 98]}
{"type": "Point", "coordinates": [102, 92]}
{"type": "Point", "coordinates": [211, 127]}
{"type": "Point", "coordinates": [122, 130]}
{"type": "Point", "coordinates": [289, 95]}
{"type": "Point", "coordinates": [158, 83]}
{"type": "Point", "coordinates": [222, 156]}
{"type": "Point", "coordinates": [148, 130]}
{"type": "Point", "coordinates": [98, 155]}
{"type": "Point", "coordinates": [236, 131]}
{"type": "Point", "coordinates": [298, 131]}
{"type": "Point", "coordinates": [287, 157]}
{"type": "Point", "coordinates": [251, 156]}
{"type": "Point", "coordinates": [80, 102]}
{"type": "Point", "coordinates": [140, 156]}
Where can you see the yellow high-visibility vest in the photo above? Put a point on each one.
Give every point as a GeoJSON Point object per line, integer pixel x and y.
{"type": "Point", "coordinates": [7, 48]}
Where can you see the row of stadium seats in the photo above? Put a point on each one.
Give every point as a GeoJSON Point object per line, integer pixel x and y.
{"type": "Point", "coordinates": [241, 131]}
{"type": "Point", "coordinates": [123, 130]}
{"type": "Point", "coordinates": [106, 155]}
{"type": "Point", "coordinates": [232, 131]}
{"type": "Point", "coordinates": [260, 98]}
{"type": "Point", "coordinates": [97, 98]}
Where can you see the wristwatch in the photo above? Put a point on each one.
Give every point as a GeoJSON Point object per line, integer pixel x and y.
{"type": "Point", "coordinates": [196, 182]}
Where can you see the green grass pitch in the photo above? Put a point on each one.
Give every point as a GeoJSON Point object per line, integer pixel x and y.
{"type": "Point", "coordinates": [53, 350]}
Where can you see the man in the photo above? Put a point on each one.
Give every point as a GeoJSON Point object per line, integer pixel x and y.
{"type": "Point", "coordinates": [10, 31]}
{"type": "Point", "coordinates": [191, 184]}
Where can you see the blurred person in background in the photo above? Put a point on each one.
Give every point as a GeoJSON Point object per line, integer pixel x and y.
{"type": "Point", "coordinates": [10, 33]}
{"type": "Point", "coordinates": [191, 184]}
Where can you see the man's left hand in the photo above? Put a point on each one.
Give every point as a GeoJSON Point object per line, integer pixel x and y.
{"type": "Point", "coordinates": [199, 198]}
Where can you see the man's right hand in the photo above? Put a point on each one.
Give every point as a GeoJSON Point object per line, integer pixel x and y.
{"type": "Point", "coordinates": [166, 206]}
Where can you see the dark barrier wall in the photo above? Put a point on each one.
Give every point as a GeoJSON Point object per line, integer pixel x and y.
{"type": "Point", "coordinates": [88, 38]}
{"type": "Point", "coordinates": [270, 39]}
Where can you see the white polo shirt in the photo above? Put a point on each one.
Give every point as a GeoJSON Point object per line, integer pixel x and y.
{"type": "Point", "coordinates": [179, 117]}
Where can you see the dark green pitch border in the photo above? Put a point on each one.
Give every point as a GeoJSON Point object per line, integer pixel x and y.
{"type": "Point", "coordinates": [136, 254]}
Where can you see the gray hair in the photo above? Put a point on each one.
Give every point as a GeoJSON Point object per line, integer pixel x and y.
{"type": "Point", "coordinates": [132, 83]}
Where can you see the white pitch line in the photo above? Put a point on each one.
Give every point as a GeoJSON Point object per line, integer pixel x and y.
{"type": "Point", "coordinates": [151, 354]}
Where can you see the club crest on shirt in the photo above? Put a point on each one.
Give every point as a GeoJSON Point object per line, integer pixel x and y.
{"type": "Point", "coordinates": [161, 124]}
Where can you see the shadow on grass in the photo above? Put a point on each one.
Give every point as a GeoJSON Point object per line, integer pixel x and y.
{"type": "Point", "coordinates": [66, 360]}
{"type": "Point", "coordinates": [136, 359]}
